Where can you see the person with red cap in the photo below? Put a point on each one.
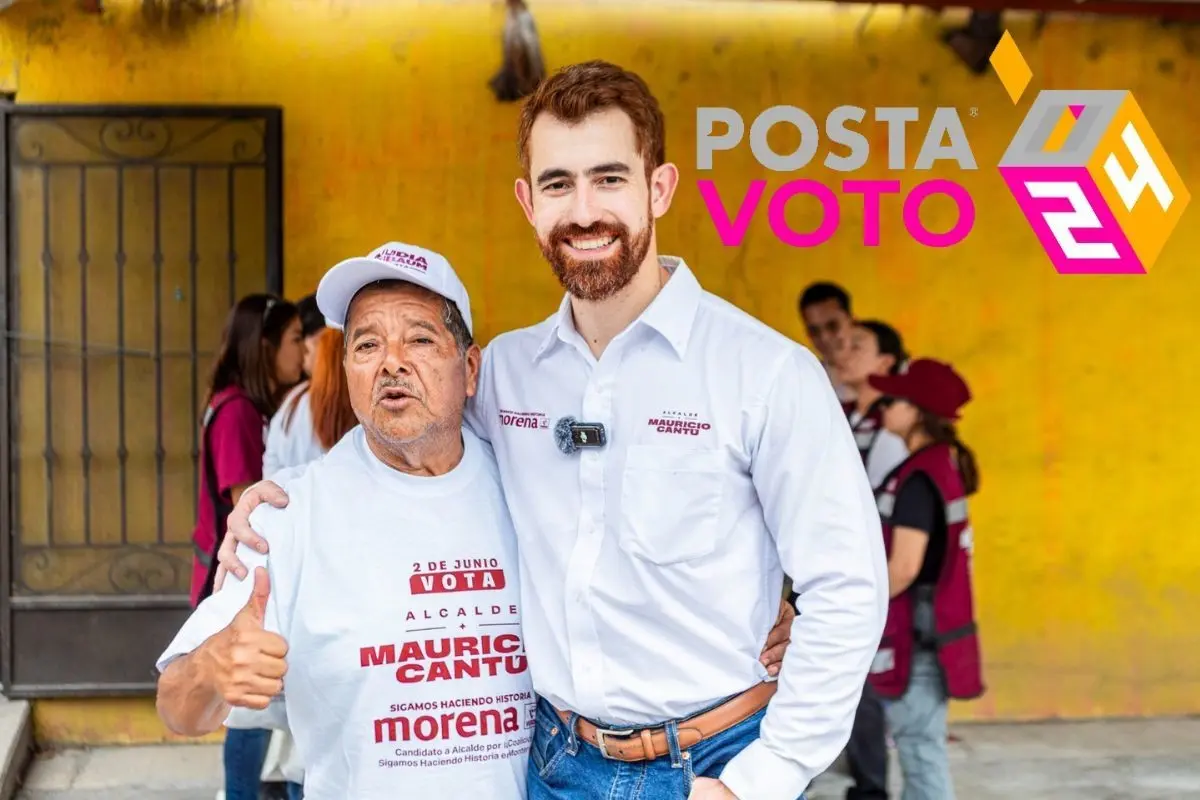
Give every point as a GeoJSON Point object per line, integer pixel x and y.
{"type": "Point", "coordinates": [930, 647]}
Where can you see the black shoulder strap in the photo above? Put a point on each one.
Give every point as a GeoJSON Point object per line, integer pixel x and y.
{"type": "Point", "coordinates": [221, 508]}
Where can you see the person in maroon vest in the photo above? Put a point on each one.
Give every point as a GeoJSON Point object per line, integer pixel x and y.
{"type": "Point", "coordinates": [930, 647]}
{"type": "Point", "coordinates": [873, 348]}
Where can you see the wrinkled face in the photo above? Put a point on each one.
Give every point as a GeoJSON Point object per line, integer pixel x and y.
{"type": "Point", "coordinates": [900, 417]}
{"type": "Point", "coordinates": [827, 324]}
{"type": "Point", "coordinates": [861, 358]}
{"type": "Point", "coordinates": [289, 358]}
{"type": "Point", "coordinates": [590, 202]}
{"type": "Point", "coordinates": [406, 375]}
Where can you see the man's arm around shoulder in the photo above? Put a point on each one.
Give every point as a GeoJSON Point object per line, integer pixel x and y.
{"type": "Point", "coordinates": [239, 530]}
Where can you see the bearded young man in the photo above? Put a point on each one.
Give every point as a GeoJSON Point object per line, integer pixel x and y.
{"type": "Point", "coordinates": [652, 563]}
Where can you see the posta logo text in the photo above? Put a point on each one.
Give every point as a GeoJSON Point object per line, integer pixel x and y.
{"type": "Point", "coordinates": [944, 139]}
{"type": "Point", "coordinates": [1090, 175]}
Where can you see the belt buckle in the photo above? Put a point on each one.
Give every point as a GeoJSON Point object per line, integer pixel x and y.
{"type": "Point", "coordinates": [602, 733]}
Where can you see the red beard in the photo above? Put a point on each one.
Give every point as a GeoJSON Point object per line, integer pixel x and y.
{"type": "Point", "coordinates": [596, 279]}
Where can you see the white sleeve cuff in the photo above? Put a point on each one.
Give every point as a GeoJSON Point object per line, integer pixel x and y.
{"type": "Point", "coordinates": [274, 716]}
{"type": "Point", "coordinates": [756, 773]}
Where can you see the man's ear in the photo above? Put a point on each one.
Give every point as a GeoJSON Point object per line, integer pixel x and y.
{"type": "Point", "coordinates": [663, 183]}
{"type": "Point", "coordinates": [524, 194]}
{"type": "Point", "coordinates": [473, 358]}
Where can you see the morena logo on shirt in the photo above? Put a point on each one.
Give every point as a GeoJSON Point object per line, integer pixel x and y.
{"type": "Point", "coordinates": [531, 420]}
{"type": "Point", "coordinates": [403, 258]}
{"type": "Point", "coordinates": [465, 724]}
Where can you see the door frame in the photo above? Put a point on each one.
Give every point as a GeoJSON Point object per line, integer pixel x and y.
{"type": "Point", "coordinates": [117, 612]}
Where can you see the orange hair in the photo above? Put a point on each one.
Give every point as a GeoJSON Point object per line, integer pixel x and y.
{"type": "Point", "coordinates": [329, 395]}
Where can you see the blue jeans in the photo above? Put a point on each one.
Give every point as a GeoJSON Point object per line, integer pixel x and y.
{"type": "Point", "coordinates": [245, 751]}
{"type": "Point", "coordinates": [564, 767]}
{"type": "Point", "coordinates": [917, 721]}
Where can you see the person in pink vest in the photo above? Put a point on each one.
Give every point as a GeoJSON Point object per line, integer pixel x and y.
{"type": "Point", "coordinates": [930, 647]}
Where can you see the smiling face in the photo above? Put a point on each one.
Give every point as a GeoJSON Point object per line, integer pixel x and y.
{"type": "Point", "coordinates": [408, 377]}
{"type": "Point", "coordinates": [591, 202]}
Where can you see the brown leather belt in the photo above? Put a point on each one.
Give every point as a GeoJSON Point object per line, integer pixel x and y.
{"type": "Point", "coordinates": [647, 744]}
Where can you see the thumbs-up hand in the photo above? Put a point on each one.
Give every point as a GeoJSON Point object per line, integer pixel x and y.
{"type": "Point", "coordinates": [246, 663]}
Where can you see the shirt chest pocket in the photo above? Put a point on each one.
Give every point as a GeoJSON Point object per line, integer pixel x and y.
{"type": "Point", "coordinates": [671, 502]}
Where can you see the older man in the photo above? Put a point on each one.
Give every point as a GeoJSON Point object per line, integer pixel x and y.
{"type": "Point", "coordinates": [390, 597]}
{"type": "Point", "coordinates": [666, 458]}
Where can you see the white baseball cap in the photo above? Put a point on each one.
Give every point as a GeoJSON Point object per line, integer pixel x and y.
{"type": "Point", "coordinates": [392, 261]}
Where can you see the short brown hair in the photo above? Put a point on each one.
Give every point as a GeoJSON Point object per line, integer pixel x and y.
{"type": "Point", "coordinates": [576, 92]}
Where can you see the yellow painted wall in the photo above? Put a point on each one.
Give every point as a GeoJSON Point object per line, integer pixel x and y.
{"type": "Point", "coordinates": [1086, 535]}
{"type": "Point", "coordinates": [101, 721]}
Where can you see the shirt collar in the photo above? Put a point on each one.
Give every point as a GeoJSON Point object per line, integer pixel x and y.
{"type": "Point", "coordinates": [674, 309]}
{"type": "Point", "coordinates": [670, 313]}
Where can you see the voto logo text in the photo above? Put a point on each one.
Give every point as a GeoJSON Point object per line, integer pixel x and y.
{"type": "Point", "coordinates": [943, 139]}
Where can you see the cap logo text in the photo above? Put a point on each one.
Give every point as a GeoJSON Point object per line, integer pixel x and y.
{"type": "Point", "coordinates": [403, 258]}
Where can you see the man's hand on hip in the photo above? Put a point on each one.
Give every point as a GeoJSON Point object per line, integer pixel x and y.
{"type": "Point", "coordinates": [778, 639]}
{"type": "Point", "coordinates": [238, 529]}
{"type": "Point", "coordinates": [245, 663]}
{"type": "Point", "coordinates": [710, 789]}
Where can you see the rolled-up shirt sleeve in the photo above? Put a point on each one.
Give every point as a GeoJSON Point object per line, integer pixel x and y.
{"type": "Point", "coordinates": [818, 505]}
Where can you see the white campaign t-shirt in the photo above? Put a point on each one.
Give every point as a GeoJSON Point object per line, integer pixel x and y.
{"type": "Point", "coordinates": [400, 600]}
{"type": "Point", "coordinates": [297, 443]}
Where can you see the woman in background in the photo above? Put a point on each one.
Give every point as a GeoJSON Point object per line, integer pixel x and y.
{"type": "Point", "coordinates": [260, 358]}
{"type": "Point", "coordinates": [316, 415]}
{"type": "Point", "coordinates": [874, 348]}
{"type": "Point", "coordinates": [930, 648]}
{"type": "Point", "coordinates": [286, 444]}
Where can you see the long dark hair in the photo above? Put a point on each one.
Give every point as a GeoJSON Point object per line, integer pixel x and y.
{"type": "Point", "coordinates": [942, 431]}
{"type": "Point", "coordinates": [246, 358]}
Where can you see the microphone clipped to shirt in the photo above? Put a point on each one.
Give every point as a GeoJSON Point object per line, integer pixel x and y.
{"type": "Point", "coordinates": [571, 435]}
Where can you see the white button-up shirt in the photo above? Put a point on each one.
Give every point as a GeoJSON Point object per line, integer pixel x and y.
{"type": "Point", "coordinates": [652, 567]}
